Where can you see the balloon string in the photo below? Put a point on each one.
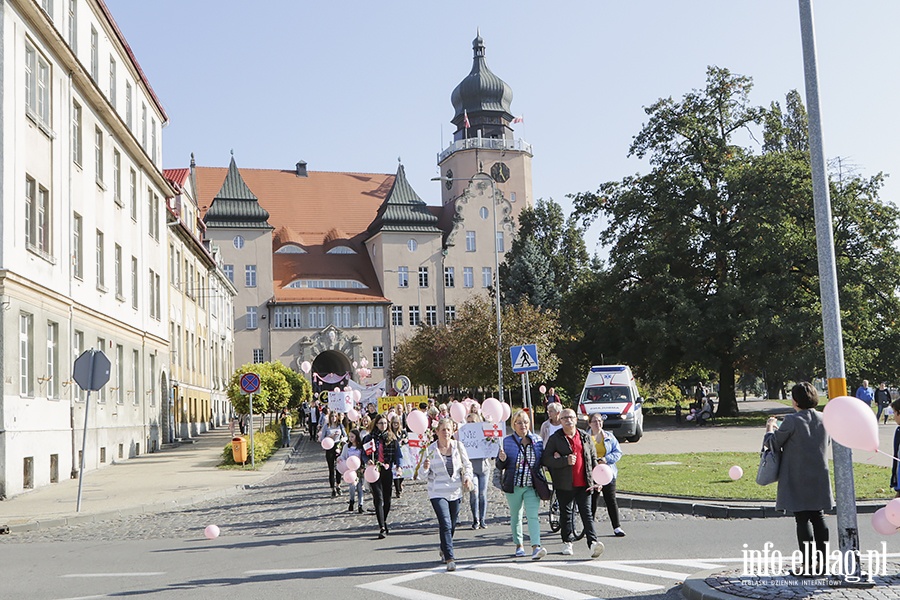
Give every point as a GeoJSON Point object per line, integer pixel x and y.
{"type": "Point", "coordinates": [892, 457]}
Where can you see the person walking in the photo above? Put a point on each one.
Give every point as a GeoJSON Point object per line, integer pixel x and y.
{"type": "Point", "coordinates": [608, 452]}
{"type": "Point", "coordinates": [570, 455]}
{"type": "Point", "coordinates": [447, 471]}
{"type": "Point", "coordinates": [882, 399]}
{"type": "Point", "coordinates": [333, 428]}
{"type": "Point", "coordinates": [399, 431]}
{"type": "Point", "coordinates": [314, 414]}
{"type": "Point", "coordinates": [552, 424]}
{"type": "Point", "coordinates": [519, 455]}
{"type": "Point", "coordinates": [354, 447]}
{"type": "Point", "coordinates": [804, 486]}
{"type": "Point", "coordinates": [382, 448]}
{"type": "Point", "coordinates": [284, 419]}
{"type": "Point", "coordinates": [865, 393]}
{"type": "Point", "coordinates": [481, 470]}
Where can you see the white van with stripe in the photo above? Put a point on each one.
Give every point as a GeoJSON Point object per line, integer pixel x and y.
{"type": "Point", "coordinates": [611, 391]}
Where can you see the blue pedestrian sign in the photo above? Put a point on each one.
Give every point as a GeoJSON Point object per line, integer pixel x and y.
{"type": "Point", "coordinates": [249, 383]}
{"type": "Point", "coordinates": [524, 358]}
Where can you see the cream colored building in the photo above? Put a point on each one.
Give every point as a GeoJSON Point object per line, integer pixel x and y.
{"type": "Point", "coordinates": [333, 268]}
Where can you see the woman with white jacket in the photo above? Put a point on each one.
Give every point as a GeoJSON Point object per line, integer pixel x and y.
{"type": "Point", "coordinates": [447, 470]}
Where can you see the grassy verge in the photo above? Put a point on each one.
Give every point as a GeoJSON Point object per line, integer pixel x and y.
{"type": "Point", "coordinates": [705, 475]}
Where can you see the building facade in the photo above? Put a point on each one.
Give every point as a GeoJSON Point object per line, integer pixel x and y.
{"type": "Point", "coordinates": [333, 268]}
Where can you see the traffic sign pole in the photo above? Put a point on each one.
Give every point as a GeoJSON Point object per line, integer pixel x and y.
{"type": "Point", "coordinates": [87, 404]}
{"type": "Point", "coordinates": [252, 454]}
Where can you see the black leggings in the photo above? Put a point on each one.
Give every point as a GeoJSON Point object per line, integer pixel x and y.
{"type": "Point", "coordinates": [334, 478]}
{"type": "Point", "coordinates": [609, 498]}
{"type": "Point", "coordinates": [381, 496]}
{"type": "Point", "coordinates": [811, 529]}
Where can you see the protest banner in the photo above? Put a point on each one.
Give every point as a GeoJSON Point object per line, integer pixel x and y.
{"type": "Point", "coordinates": [386, 402]}
{"type": "Point", "coordinates": [472, 436]}
{"type": "Point", "coordinates": [340, 401]}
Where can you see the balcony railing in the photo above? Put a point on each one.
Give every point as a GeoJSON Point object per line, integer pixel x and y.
{"type": "Point", "coordinates": [485, 144]}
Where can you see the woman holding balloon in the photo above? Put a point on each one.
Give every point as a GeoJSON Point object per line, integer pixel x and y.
{"type": "Point", "coordinates": [332, 436]}
{"type": "Point", "coordinates": [382, 449]}
{"type": "Point", "coordinates": [804, 486]}
{"type": "Point", "coordinates": [608, 453]}
{"type": "Point", "coordinates": [352, 457]}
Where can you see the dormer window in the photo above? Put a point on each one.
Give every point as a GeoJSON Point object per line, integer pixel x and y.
{"type": "Point", "coordinates": [330, 284]}
{"type": "Point", "coordinates": [290, 249]}
{"type": "Point", "coordinates": [341, 250]}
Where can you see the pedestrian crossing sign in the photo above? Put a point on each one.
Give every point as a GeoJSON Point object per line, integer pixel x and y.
{"type": "Point", "coordinates": [524, 358]}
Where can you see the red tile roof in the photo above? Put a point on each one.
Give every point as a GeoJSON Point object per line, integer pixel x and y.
{"type": "Point", "coordinates": [177, 176]}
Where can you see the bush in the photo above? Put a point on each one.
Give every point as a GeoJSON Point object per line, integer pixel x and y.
{"type": "Point", "coordinates": [661, 399]}
{"type": "Point", "coordinates": [265, 443]}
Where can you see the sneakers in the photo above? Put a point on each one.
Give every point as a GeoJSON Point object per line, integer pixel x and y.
{"type": "Point", "coordinates": [538, 553]}
{"type": "Point", "coordinates": [482, 525]}
{"type": "Point", "coordinates": [596, 549]}
{"type": "Point", "coordinates": [567, 549]}
{"type": "Point", "coordinates": [520, 551]}
{"type": "Point", "coordinates": [360, 510]}
{"type": "Point", "coordinates": [474, 525]}
{"type": "Point", "coordinates": [451, 566]}
{"type": "Point", "coordinates": [618, 531]}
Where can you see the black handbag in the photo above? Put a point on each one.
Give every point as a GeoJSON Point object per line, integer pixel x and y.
{"type": "Point", "coordinates": [769, 461]}
{"type": "Point", "coordinates": [538, 481]}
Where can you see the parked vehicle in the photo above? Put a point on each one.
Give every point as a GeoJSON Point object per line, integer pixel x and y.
{"type": "Point", "coordinates": [611, 391]}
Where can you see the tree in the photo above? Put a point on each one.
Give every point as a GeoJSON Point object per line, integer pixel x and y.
{"type": "Point", "coordinates": [301, 388]}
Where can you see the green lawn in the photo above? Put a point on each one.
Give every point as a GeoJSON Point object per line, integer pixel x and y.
{"type": "Point", "coordinates": [705, 475]}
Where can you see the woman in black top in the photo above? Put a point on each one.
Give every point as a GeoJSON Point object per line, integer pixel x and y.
{"type": "Point", "coordinates": [385, 453]}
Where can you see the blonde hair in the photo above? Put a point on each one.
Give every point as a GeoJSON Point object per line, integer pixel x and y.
{"type": "Point", "coordinates": [521, 413]}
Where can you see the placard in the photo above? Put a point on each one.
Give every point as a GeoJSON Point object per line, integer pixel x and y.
{"type": "Point", "coordinates": [340, 401]}
{"type": "Point", "coordinates": [472, 437]}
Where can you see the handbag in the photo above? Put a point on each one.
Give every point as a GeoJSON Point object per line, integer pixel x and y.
{"type": "Point", "coordinates": [769, 461]}
{"type": "Point", "coordinates": [538, 481]}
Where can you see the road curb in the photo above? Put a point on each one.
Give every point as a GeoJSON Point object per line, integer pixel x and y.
{"type": "Point", "coordinates": [713, 509]}
{"type": "Point", "coordinates": [696, 588]}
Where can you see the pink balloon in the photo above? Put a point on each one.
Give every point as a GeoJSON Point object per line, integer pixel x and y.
{"type": "Point", "coordinates": [851, 423]}
{"type": "Point", "coordinates": [880, 521]}
{"type": "Point", "coordinates": [602, 474]}
{"type": "Point", "coordinates": [337, 389]}
{"type": "Point", "coordinates": [417, 421]}
{"type": "Point", "coordinates": [892, 512]}
{"type": "Point", "coordinates": [458, 412]}
{"type": "Point", "coordinates": [341, 466]}
{"type": "Point", "coordinates": [327, 443]}
{"type": "Point", "coordinates": [735, 472]}
{"type": "Point", "coordinates": [372, 475]}
{"type": "Point", "coordinates": [357, 395]}
{"type": "Point", "coordinates": [353, 463]}
{"type": "Point", "coordinates": [211, 532]}
{"type": "Point", "coordinates": [492, 410]}
{"type": "Point", "coordinates": [305, 366]}
{"type": "Point", "coordinates": [353, 414]}
{"type": "Point", "coordinates": [506, 411]}
{"type": "Point", "coordinates": [351, 476]}
{"type": "Point", "coordinates": [543, 389]}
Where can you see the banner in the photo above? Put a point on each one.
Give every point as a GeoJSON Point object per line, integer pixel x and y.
{"type": "Point", "coordinates": [340, 401]}
{"type": "Point", "coordinates": [386, 402]}
{"type": "Point", "coordinates": [476, 442]}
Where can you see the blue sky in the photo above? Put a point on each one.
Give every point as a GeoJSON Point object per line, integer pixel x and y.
{"type": "Point", "coordinates": [352, 86]}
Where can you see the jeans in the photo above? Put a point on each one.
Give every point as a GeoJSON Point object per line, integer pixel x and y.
{"type": "Point", "coordinates": [811, 531]}
{"type": "Point", "coordinates": [285, 435]}
{"type": "Point", "coordinates": [567, 500]}
{"type": "Point", "coordinates": [447, 512]}
{"type": "Point", "coordinates": [527, 497]}
{"type": "Point", "coordinates": [609, 498]}
{"type": "Point", "coordinates": [356, 491]}
{"type": "Point", "coordinates": [381, 496]}
{"type": "Point", "coordinates": [478, 498]}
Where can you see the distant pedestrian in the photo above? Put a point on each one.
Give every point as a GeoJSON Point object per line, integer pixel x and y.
{"type": "Point", "coordinates": [315, 415]}
{"type": "Point", "coordinates": [678, 412]}
{"type": "Point", "coordinates": [865, 393]}
{"type": "Point", "coordinates": [399, 431]}
{"type": "Point", "coordinates": [551, 397]}
{"type": "Point", "coordinates": [882, 399]}
{"type": "Point", "coordinates": [284, 419]}
{"type": "Point", "coordinates": [447, 471]}
{"type": "Point", "coordinates": [232, 423]}
{"type": "Point", "coordinates": [242, 424]}
{"type": "Point", "coordinates": [552, 424]}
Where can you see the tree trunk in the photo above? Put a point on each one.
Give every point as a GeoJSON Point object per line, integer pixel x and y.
{"type": "Point", "coordinates": [728, 406]}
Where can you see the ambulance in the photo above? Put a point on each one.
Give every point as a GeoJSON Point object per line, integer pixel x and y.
{"type": "Point", "coordinates": [611, 391]}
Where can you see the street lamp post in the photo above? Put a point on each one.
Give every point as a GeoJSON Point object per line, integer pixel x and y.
{"type": "Point", "coordinates": [490, 180]}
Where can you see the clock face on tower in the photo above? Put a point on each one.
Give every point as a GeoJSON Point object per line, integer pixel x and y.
{"type": "Point", "coordinates": [449, 176]}
{"type": "Point", "coordinates": [500, 172]}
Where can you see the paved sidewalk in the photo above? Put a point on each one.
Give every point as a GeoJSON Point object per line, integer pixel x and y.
{"type": "Point", "coordinates": [172, 477]}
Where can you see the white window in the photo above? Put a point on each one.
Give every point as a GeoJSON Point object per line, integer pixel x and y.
{"type": "Point", "coordinates": [500, 243]}
{"type": "Point", "coordinates": [431, 316]}
{"type": "Point", "coordinates": [468, 277]}
{"type": "Point", "coordinates": [423, 277]}
{"type": "Point", "coordinates": [483, 213]}
{"type": "Point", "coordinates": [153, 155]}
{"type": "Point", "coordinates": [470, 241]}
{"type": "Point", "coordinates": [98, 154]}
{"type": "Point", "coordinates": [77, 142]}
{"type": "Point", "coordinates": [135, 376]}
{"type": "Point", "coordinates": [512, 196]}
{"type": "Point", "coordinates": [403, 277]}
{"type": "Point", "coordinates": [397, 315]}
{"type": "Point", "coordinates": [101, 345]}
{"type": "Point", "coordinates": [78, 343]}
{"type": "Point", "coordinates": [412, 245]}
{"type": "Point", "coordinates": [52, 375]}
{"type": "Point", "coordinates": [112, 81]}
{"type": "Point", "coordinates": [129, 112]}
{"type": "Point", "coordinates": [486, 278]}
{"type": "Point", "coordinates": [238, 242]}
{"type": "Point", "coordinates": [157, 292]}
{"type": "Point", "coordinates": [134, 282]}
{"type": "Point", "coordinates": [143, 126]}
{"type": "Point", "coordinates": [77, 246]}
{"type": "Point", "coordinates": [100, 260]}
{"type": "Point", "coordinates": [132, 183]}
{"type": "Point", "coordinates": [370, 316]}
{"type": "Point", "coordinates": [449, 276]}
{"type": "Point", "coordinates": [257, 355]}
{"type": "Point", "coordinates": [47, 5]}
{"type": "Point", "coordinates": [152, 380]}
{"type": "Point", "coordinates": [250, 276]}
{"type": "Point", "coordinates": [414, 316]}
{"type": "Point", "coordinates": [449, 314]}
{"type": "Point", "coordinates": [117, 258]}
{"type": "Point", "coordinates": [378, 357]}
{"type": "Point", "coordinates": [117, 177]}
{"type": "Point", "coordinates": [37, 86]}
{"type": "Point", "coordinates": [252, 322]}
{"type": "Point", "coordinates": [26, 354]}
{"type": "Point", "coordinates": [37, 217]}
{"type": "Point", "coordinates": [153, 214]}
{"type": "Point", "coordinates": [95, 54]}
{"type": "Point", "coordinates": [120, 374]}
{"type": "Point", "coordinates": [229, 272]}
{"type": "Point", "coordinates": [73, 25]}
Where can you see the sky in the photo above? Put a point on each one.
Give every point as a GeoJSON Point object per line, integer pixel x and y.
{"type": "Point", "coordinates": [355, 85]}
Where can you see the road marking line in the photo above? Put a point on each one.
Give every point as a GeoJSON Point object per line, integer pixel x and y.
{"type": "Point", "coordinates": [388, 586]}
{"type": "Point", "coordinates": [292, 571]}
{"type": "Point", "coordinates": [640, 570]}
{"type": "Point", "coordinates": [86, 597]}
{"type": "Point", "coordinates": [631, 586]}
{"type": "Point", "coordinates": [531, 586]}
{"type": "Point", "coordinates": [148, 574]}
{"type": "Point", "coordinates": [691, 563]}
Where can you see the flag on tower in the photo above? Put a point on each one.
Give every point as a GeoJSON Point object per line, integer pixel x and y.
{"type": "Point", "coordinates": [465, 119]}
{"type": "Point", "coordinates": [519, 119]}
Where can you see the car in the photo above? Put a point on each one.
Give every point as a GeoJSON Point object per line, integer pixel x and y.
{"type": "Point", "coordinates": [611, 391]}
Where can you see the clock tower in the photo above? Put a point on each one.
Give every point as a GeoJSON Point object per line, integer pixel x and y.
{"type": "Point", "coordinates": [484, 143]}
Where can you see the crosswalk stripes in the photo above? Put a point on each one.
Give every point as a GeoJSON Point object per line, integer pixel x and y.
{"type": "Point", "coordinates": [566, 572]}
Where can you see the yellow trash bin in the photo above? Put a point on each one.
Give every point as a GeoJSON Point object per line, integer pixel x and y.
{"type": "Point", "coordinates": [239, 449]}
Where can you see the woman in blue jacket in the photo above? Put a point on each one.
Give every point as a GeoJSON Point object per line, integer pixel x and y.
{"type": "Point", "coordinates": [520, 452]}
